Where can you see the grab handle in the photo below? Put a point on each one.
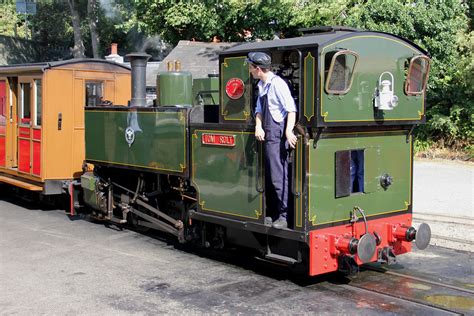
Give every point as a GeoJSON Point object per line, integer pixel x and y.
{"type": "Point", "coordinates": [259, 180]}
{"type": "Point", "coordinates": [294, 171]}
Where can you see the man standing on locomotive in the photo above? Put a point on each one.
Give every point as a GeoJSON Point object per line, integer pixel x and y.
{"type": "Point", "coordinates": [275, 120]}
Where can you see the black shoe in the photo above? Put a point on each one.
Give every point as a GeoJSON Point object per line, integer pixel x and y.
{"type": "Point", "coordinates": [268, 221]}
{"type": "Point", "coordinates": [280, 223]}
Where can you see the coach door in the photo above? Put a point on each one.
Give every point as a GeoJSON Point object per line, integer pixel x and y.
{"type": "Point", "coordinates": [28, 119]}
{"type": "Point", "coordinates": [11, 128]}
{"type": "Point", "coordinates": [3, 122]}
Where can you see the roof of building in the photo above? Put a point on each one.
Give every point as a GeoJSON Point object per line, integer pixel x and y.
{"type": "Point", "coordinates": [199, 58]}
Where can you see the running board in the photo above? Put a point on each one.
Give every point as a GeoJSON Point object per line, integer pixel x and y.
{"type": "Point", "coordinates": [21, 184]}
{"type": "Point", "coordinates": [280, 258]}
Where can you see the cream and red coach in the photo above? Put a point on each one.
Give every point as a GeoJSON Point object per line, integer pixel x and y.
{"type": "Point", "coordinates": [42, 118]}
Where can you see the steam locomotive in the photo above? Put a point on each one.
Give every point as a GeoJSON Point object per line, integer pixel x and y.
{"type": "Point", "coordinates": [190, 165]}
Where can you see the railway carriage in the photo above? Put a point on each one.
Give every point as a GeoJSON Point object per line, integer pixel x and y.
{"type": "Point", "coordinates": [191, 166]}
{"type": "Point", "coordinates": [42, 118]}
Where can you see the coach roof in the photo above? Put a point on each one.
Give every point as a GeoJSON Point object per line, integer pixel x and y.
{"type": "Point", "coordinates": [17, 68]}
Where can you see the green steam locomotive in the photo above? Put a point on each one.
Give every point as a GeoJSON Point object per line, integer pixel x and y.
{"type": "Point", "coordinates": [192, 167]}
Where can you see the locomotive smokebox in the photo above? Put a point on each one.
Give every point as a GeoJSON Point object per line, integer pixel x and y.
{"type": "Point", "coordinates": [138, 63]}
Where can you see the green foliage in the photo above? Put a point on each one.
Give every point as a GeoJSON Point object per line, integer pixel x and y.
{"type": "Point", "coordinates": [52, 24]}
{"type": "Point", "coordinates": [231, 20]}
{"type": "Point", "coordinates": [421, 145]}
{"type": "Point", "coordinates": [11, 23]}
{"type": "Point", "coordinates": [309, 13]}
{"type": "Point", "coordinates": [53, 27]}
{"type": "Point", "coordinates": [442, 28]}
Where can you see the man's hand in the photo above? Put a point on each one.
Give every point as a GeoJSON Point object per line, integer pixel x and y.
{"type": "Point", "coordinates": [259, 133]}
{"type": "Point", "coordinates": [291, 138]}
{"type": "Point", "coordinates": [290, 124]}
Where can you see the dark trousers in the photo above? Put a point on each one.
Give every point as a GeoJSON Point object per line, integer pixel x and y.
{"type": "Point", "coordinates": [276, 163]}
{"type": "Point", "coordinates": [357, 170]}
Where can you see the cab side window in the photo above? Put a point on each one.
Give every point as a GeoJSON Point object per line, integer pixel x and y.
{"type": "Point", "coordinates": [339, 71]}
{"type": "Point", "coordinates": [417, 76]}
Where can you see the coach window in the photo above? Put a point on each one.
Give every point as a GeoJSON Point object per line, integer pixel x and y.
{"type": "Point", "coordinates": [38, 102]}
{"type": "Point", "coordinates": [25, 103]}
{"type": "Point", "coordinates": [417, 75]}
{"type": "Point", "coordinates": [94, 93]}
{"type": "Point", "coordinates": [339, 70]}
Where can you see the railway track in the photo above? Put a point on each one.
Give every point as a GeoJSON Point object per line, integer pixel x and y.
{"type": "Point", "coordinates": [422, 291]}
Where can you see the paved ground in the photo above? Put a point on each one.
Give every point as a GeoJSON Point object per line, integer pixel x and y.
{"type": "Point", "coordinates": [443, 197]}
{"type": "Point", "coordinates": [444, 188]}
{"type": "Point", "coordinates": [52, 265]}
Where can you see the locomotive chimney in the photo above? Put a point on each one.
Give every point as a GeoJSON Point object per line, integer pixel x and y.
{"type": "Point", "coordinates": [138, 63]}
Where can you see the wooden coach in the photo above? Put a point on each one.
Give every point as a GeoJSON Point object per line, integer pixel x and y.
{"type": "Point", "coordinates": [42, 118]}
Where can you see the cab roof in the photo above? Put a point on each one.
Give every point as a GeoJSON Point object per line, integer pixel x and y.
{"type": "Point", "coordinates": [320, 36]}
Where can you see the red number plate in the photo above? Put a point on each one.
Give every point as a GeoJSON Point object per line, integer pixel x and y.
{"type": "Point", "coordinates": [218, 140]}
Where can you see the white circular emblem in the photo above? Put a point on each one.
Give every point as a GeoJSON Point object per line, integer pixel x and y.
{"type": "Point", "coordinates": [129, 136]}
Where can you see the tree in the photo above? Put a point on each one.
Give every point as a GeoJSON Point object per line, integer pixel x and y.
{"type": "Point", "coordinates": [78, 50]}
{"type": "Point", "coordinates": [231, 20]}
{"type": "Point", "coordinates": [92, 18]}
{"type": "Point", "coordinates": [442, 28]}
{"type": "Point", "coordinates": [52, 24]}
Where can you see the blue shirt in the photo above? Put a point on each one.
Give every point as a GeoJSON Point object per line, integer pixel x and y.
{"type": "Point", "coordinates": [280, 101]}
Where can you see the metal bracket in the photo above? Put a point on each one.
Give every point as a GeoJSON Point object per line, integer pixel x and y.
{"type": "Point", "coordinates": [317, 136]}
{"type": "Point", "coordinates": [410, 132]}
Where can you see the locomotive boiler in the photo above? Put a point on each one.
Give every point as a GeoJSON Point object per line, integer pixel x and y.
{"type": "Point", "coordinates": [191, 165]}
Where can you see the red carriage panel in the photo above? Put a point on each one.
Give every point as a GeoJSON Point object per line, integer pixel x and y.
{"type": "Point", "coordinates": [24, 150]}
{"type": "Point", "coordinates": [37, 152]}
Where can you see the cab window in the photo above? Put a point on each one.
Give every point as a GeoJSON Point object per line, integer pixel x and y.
{"type": "Point", "coordinates": [339, 70]}
{"type": "Point", "coordinates": [94, 93]}
{"type": "Point", "coordinates": [417, 76]}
